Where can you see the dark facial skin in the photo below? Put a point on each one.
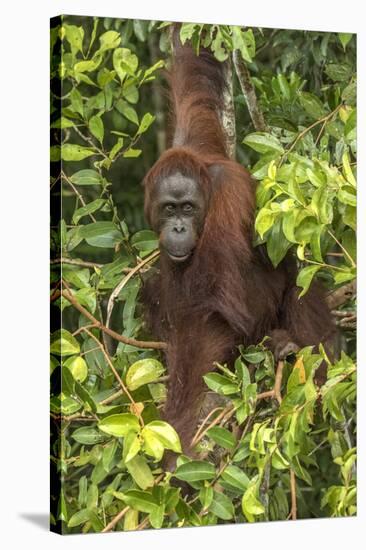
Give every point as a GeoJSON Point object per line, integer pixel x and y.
{"type": "Point", "coordinates": [178, 216]}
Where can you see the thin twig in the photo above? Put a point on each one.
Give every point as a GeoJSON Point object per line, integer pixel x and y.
{"type": "Point", "coordinates": [63, 175]}
{"type": "Point", "coordinates": [76, 332]}
{"type": "Point", "coordinates": [345, 252]}
{"type": "Point", "coordinates": [90, 141]}
{"type": "Point", "coordinates": [120, 514]}
{"type": "Point", "coordinates": [265, 395]}
{"type": "Point", "coordinates": [81, 263]}
{"type": "Point", "coordinates": [111, 398]}
{"type": "Point", "coordinates": [125, 280]}
{"type": "Point", "coordinates": [201, 427]}
{"type": "Point", "coordinates": [143, 524]}
{"type": "Point", "coordinates": [278, 381]}
{"type": "Point", "coordinates": [112, 333]}
{"type": "Point", "coordinates": [293, 495]}
{"type": "Point", "coordinates": [301, 134]}
{"type": "Point", "coordinates": [116, 519]}
{"type": "Point", "coordinates": [117, 376]}
{"type": "Point", "coordinates": [228, 409]}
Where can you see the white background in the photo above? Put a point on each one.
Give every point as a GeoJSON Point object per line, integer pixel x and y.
{"type": "Point", "coordinates": [24, 484]}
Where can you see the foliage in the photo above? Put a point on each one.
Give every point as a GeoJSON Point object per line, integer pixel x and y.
{"type": "Point", "coordinates": [107, 395]}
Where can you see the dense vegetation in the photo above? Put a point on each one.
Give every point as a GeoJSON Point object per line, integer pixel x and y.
{"type": "Point", "coordinates": [278, 446]}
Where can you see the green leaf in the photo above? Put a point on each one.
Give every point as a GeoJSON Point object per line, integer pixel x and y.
{"type": "Point", "coordinates": [206, 495]}
{"type": "Point", "coordinates": [349, 243]}
{"type": "Point", "coordinates": [312, 105]}
{"type": "Point", "coordinates": [132, 153]}
{"type": "Point", "coordinates": [305, 277]}
{"type": "Point", "coordinates": [143, 372]}
{"type": "Point", "coordinates": [83, 487]}
{"type": "Point", "coordinates": [85, 397]}
{"type": "Point", "coordinates": [140, 500]}
{"type": "Point", "coordinates": [73, 152]}
{"type": "Point", "coordinates": [88, 298]}
{"type": "Point", "coordinates": [284, 86]}
{"type": "Point", "coordinates": [321, 204]}
{"type": "Point", "coordinates": [158, 65]}
{"type": "Point", "coordinates": [96, 127]}
{"type": "Point", "coordinates": [277, 244]}
{"type": "Point", "coordinates": [186, 31]}
{"type": "Point", "coordinates": [339, 72]}
{"type": "Point", "coordinates": [62, 123]}
{"type": "Point", "coordinates": [124, 62]}
{"type": "Point", "coordinates": [92, 497]}
{"type": "Point", "coordinates": [347, 170]}
{"type": "Point", "coordinates": [79, 518]}
{"type": "Point", "coordinates": [75, 37]}
{"type": "Point", "coordinates": [250, 504]}
{"type": "Point", "coordinates": [140, 29]}
{"type": "Point", "coordinates": [67, 382]}
{"type": "Point", "coordinates": [220, 384]}
{"type": "Point", "coordinates": [87, 209]}
{"type": "Point", "coordinates": [109, 452]}
{"type": "Point", "coordinates": [131, 446]}
{"type": "Point", "coordinates": [109, 40]}
{"type": "Point", "coordinates": [234, 476]}
{"type": "Point", "coordinates": [130, 93]}
{"type": "Point", "coordinates": [347, 195]}
{"type": "Point", "coordinates": [165, 433]}
{"type": "Point", "coordinates": [222, 437]}
{"type": "Point", "coordinates": [55, 153]}
{"type": "Point", "coordinates": [77, 101]}
{"type": "Point", "coordinates": [131, 520]}
{"type": "Point", "coordinates": [264, 221]}
{"type": "Point", "coordinates": [86, 177]}
{"type": "Point", "coordinates": [119, 425]}
{"type": "Point", "coordinates": [116, 148]}
{"type": "Point", "coordinates": [253, 355]}
{"type": "Point", "coordinates": [263, 142]}
{"type": "Point", "coordinates": [244, 41]}
{"type": "Point", "coordinates": [78, 368]}
{"type": "Point", "coordinates": [145, 240]}
{"type": "Point", "coordinates": [157, 516]}
{"type": "Point", "coordinates": [88, 435]}
{"type": "Point", "coordinates": [127, 111]}
{"type": "Point", "coordinates": [349, 93]}
{"type": "Point", "coordinates": [145, 123]}
{"type": "Point", "coordinates": [152, 445]}
{"type": "Point", "coordinates": [344, 38]}
{"type": "Point", "coordinates": [195, 470]}
{"type": "Point", "coordinates": [139, 469]}
{"type": "Point", "coordinates": [343, 276]}
{"type": "Point", "coordinates": [89, 65]}
{"type": "Point", "coordinates": [100, 234]}
{"type": "Point", "coordinates": [315, 243]}
{"type": "Point", "coordinates": [222, 506]}
{"type": "Point", "coordinates": [64, 343]}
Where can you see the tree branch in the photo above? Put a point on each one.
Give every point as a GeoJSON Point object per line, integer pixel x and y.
{"type": "Point", "coordinates": [249, 92]}
{"type": "Point", "coordinates": [71, 261]}
{"type": "Point", "coordinates": [228, 111]}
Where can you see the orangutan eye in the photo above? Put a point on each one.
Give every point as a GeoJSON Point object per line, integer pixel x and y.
{"type": "Point", "coordinates": [169, 208]}
{"type": "Point", "coordinates": [187, 208]}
